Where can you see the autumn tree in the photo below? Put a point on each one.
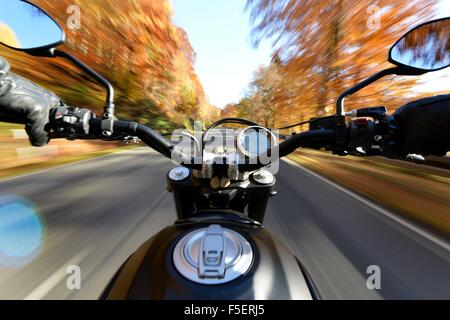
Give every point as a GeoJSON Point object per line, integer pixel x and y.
{"type": "Point", "coordinates": [135, 45]}
{"type": "Point", "coordinates": [8, 36]}
{"type": "Point", "coordinates": [324, 47]}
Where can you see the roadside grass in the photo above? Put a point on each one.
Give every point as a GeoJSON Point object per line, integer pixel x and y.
{"type": "Point", "coordinates": [5, 128]}
{"type": "Point", "coordinates": [419, 193]}
{"type": "Point", "coordinates": [33, 167]}
{"type": "Point", "coordinates": [67, 152]}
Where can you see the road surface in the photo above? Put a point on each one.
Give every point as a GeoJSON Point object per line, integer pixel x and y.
{"type": "Point", "coordinates": [93, 214]}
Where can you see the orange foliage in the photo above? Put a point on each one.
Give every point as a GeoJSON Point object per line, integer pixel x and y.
{"type": "Point", "coordinates": [323, 47]}
{"type": "Point", "coordinates": [132, 43]}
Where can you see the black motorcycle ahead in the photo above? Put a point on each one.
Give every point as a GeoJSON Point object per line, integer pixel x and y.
{"type": "Point", "coordinates": [218, 248]}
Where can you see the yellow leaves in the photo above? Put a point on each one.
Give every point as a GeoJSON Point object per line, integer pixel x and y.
{"type": "Point", "coordinates": [324, 47]}
{"type": "Point", "coordinates": [8, 36]}
{"type": "Point", "coordinates": [133, 43]}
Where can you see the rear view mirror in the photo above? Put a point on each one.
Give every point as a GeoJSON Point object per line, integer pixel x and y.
{"type": "Point", "coordinates": [426, 47]}
{"type": "Point", "coordinates": [26, 27]}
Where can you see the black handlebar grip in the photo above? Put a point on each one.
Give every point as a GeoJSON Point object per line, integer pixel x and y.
{"type": "Point", "coordinates": [306, 138]}
{"type": "Point", "coordinates": [147, 135]}
{"type": "Point", "coordinates": [154, 140]}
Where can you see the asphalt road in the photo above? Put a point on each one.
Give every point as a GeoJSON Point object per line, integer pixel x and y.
{"type": "Point", "coordinates": [95, 213]}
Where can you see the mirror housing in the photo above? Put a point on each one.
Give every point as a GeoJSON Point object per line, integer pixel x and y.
{"type": "Point", "coordinates": [26, 27]}
{"type": "Point", "coordinates": [49, 50]}
{"type": "Point", "coordinates": [401, 69]}
{"type": "Point", "coordinates": [425, 48]}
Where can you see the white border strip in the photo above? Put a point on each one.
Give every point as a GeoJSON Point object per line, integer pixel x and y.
{"type": "Point", "coordinates": [440, 242]}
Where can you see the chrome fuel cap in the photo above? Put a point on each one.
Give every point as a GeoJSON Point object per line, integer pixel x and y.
{"type": "Point", "coordinates": [212, 255]}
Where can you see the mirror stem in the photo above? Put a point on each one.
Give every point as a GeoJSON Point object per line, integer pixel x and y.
{"type": "Point", "coordinates": [340, 108]}
{"type": "Point", "coordinates": [109, 107]}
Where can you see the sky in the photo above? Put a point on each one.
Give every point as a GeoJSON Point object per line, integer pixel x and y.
{"type": "Point", "coordinates": [31, 30]}
{"type": "Point", "coordinates": [219, 31]}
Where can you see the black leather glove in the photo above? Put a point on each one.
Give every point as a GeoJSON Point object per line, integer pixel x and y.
{"type": "Point", "coordinates": [22, 101]}
{"type": "Point", "coordinates": [424, 126]}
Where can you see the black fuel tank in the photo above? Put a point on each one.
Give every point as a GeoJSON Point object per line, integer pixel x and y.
{"type": "Point", "coordinates": [150, 272]}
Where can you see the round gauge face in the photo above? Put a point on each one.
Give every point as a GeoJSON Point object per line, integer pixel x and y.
{"type": "Point", "coordinates": [255, 141]}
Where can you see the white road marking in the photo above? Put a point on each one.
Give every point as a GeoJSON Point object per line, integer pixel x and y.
{"type": "Point", "coordinates": [74, 163]}
{"type": "Point", "coordinates": [33, 152]}
{"type": "Point", "coordinates": [51, 282]}
{"type": "Point", "coordinates": [440, 242]}
{"type": "Point", "coordinates": [19, 134]}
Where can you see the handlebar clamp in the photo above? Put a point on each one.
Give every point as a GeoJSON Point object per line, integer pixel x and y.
{"type": "Point", "coordinates": [71, 122]}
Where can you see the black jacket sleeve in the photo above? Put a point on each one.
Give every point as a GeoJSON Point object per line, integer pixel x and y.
{"type": "Point", "coordinates": [23, 102]}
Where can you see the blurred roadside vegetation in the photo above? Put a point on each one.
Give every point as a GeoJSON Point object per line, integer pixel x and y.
{"type": "Point", "coordinates": [420, 193]}
{"type": "Point", "coordinates": [136, 46]}
{"type": "Point", "coordinates": [18, 157]}
{"type": "Point", "coordinates": [321, 48]}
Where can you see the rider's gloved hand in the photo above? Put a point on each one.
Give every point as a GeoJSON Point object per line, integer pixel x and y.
{"type": "Point", "coordinates": [22, 101]}
{"type": "Point", "coordinates": [424, 126]}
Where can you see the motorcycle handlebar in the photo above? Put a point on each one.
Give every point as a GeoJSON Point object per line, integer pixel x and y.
{"type": "Point", "coordinates": [147, 135]}
{"type": "Point", "coordinates": [156, 141]}
{"type": "Point", "coordinates": [321, 137]}
{"type": "Point", "coordinates": [81, 124]}
{"type": "Point", "coordinates": [371, 131]}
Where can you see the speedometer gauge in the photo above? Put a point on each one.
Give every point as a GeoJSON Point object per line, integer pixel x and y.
{"type": "Point", "coordinates": [255, 141]}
